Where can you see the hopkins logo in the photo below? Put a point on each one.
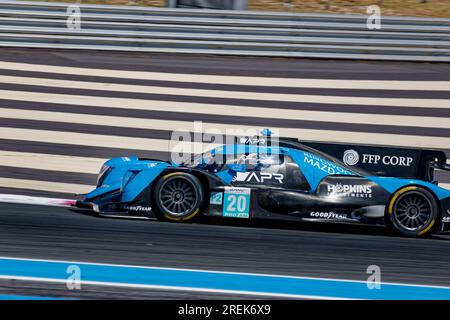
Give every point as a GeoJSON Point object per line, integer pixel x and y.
{"type": "Point", "coordinates": [258, 177]}
{"type": "Point", "coordinates": [351, 158]}
{"type": "Point", "coordinates": [350, 190]}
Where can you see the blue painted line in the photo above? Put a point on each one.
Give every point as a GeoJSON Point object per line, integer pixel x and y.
{"type": "Point", "coordinates": [217, 281]}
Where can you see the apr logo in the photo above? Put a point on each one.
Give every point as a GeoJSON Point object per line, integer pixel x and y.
{"type": "Point", "coordinates": [259, 177]}
{"type": "Point", "coordinates": [249, 140]}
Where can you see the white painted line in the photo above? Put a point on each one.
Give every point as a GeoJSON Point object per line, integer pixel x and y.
{"type": "Point", "coordinates": [221, 110]}
{"type": "Point", "coordinates": [237, 80]}
{"type": "Point", "coordinates": [13, 198]}
{"type": "Point", "coordinates": [97, 140]}
{"type": "Point", "coordinates": [45, 186]}
{"type": "Point", "coordinates": [51, 162]}
{"type": "Point", "coordinates": [346, 100]}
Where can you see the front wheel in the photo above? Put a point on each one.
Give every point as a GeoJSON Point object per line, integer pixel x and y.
{"type": "Point", "coordinates": [413, 212]}
{"type": "Point", "coordinates": [178, 197]}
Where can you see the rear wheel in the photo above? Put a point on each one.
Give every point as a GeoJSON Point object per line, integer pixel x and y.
{"type": "Point", "coordinates": [178, 196]}
{"type": "Point", "coordinates": [413, 212]}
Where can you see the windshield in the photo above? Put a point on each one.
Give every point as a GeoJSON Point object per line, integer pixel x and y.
{"type": "Point", "coordinates": [202, 159]}
{"type": "Point", "coordinates": [216, 160]}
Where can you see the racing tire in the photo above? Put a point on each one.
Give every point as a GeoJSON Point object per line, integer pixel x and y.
{"type": "Point", "coordinates": [178, 197]}
{"type": "Point", "coordinates": [413, 212]}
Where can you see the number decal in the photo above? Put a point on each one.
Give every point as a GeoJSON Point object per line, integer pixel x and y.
{"type": "Point", "coordinates": [236, 203]}
{"type": "Point", "coordinates": [216, 198]}
{"type": "Point", "coordinates": [231, 207]}
{"type": "Point", "coordinates": [242, 203]}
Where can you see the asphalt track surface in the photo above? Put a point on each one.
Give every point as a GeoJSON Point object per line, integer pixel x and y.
{"type": "Point", "coordinates": [317, 250]}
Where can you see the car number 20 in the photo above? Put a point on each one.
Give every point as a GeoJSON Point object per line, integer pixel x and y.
{"type": "Point", "coordinates": [236, 203]}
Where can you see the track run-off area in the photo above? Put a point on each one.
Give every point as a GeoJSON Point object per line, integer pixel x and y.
{"type": "Point", "coordinates": [62, 113]}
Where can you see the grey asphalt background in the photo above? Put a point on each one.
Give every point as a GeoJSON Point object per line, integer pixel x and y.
{"type": "Point", "coordinates": [317, 250]}
{"type": "Point", "coordinates": [230, 65]}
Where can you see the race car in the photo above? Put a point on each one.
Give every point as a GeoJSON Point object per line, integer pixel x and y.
{"type": "Point", "coordinates": [253, 178]}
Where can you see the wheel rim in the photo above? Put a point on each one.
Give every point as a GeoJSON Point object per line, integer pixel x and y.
{"type": "Point", "coordinates": [178, 196]}
{"type": "Point", "coordinates": [413, 211]}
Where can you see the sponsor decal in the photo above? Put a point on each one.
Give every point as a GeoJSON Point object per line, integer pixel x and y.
{"type": "Point", "coordinates": [446, 219]}
{"type": "Point", "coordinates": [138, 208]}
{"type": "Point", "coordinates": [324, 165]}
{"type": "Point", "coordinates": [251, 158]}
{"type": "Point", "coordinates": [351, 158]}
{"type": "Point", "coordinates": [350, 190]}
{"type": "Point", "coordinates": [236, 202]}
{"type": "Point", "coordinates": [259, 177]}
{"type": "Point", "coordinates": [216, 198]}
{"type": "Point", "coordinates": [246, 157]}
{"type": "Point", "coordinates": [251, 140]}
{"type": "Point", "coordinates": [260, 159]}
{"type": "Point", "coordinates": [328, 215]}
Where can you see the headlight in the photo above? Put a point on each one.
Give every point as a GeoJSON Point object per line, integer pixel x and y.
{"type": "Point", "coordinates": [102, 174]}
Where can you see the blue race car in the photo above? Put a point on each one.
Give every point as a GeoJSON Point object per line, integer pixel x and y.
{"type": "Point", "coordinates": [253, 178]}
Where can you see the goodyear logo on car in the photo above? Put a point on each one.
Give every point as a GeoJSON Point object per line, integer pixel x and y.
{"type": "Point", "coordinates": [236, 202]}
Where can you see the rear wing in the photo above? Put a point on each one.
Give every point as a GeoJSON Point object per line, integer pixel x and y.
{"type": "Point", "coordinates": [440, 166]}
{"type": "Point", "coordinates": [386, 161]}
